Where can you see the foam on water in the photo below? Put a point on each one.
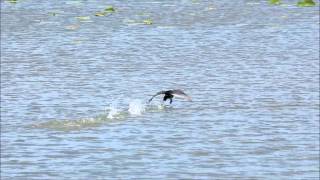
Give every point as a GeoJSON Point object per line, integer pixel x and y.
{"type": "Point", "coordinates": [113, 112]}
{"type": "Point", "coordinates": [136, 107]}
{"type": "Point", "coordinates": [160, 106]}
{"type": "Point", "coordinates": [73, 124]}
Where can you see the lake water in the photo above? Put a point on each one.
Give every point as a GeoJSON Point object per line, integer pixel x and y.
{"type": "Point", "coordinates": [74, 87]}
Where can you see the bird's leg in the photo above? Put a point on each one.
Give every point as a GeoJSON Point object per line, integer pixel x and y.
{"type": "Point", "coordinates": [170, 100]}
{"type": "Point", "coordinates": [163, 100]}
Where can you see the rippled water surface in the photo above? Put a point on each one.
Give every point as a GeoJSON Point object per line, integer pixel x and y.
{"type": "Point", "coordinates": [73, 90]}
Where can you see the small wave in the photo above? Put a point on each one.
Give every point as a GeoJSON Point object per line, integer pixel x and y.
{"type": "Point", "coordinates": [113, 113]}
{"type": "Point", "coordinates": [67, 125]}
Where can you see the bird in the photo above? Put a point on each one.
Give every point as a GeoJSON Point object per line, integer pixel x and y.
{"type": "Point", "coordinates": [170, 94]}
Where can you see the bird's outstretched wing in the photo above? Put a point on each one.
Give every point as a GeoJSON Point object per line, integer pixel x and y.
{"type": "Point", "coordinates": [158, 93]}
{"type": "Point", "coordinates": [180, 94]}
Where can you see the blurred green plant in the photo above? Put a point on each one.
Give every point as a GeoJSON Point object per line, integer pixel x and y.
{"type": "Point", "coordinates": [12, 1]}
{"type": "Point", "coordinates": [107, 11]}
{"type": "Point", "coordinates": [148, 22]}
{"type": "Point", "coordinates": [100, 14]}
{"type": "Point", "coordinates": [275, 2]}
{"type": "Point", "coordinates": [52, 13]}
{"type": "Point", "coordinates": [83, 18]}
{"type": "Point", "coordinates": [306, 3]}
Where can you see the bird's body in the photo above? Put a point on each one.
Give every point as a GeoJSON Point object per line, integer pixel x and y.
{"type": "Point", "coordinates": [172, 93]}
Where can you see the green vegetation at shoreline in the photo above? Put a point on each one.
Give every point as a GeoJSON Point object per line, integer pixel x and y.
{"type": "Point", "coordinates": [12, 1]}
{"type": "Point", "coordinates": [301, 3]}
{"type": "Point", "coordinates": [275, 2]}
{"type": "Point", "coordinates": [306, 3]}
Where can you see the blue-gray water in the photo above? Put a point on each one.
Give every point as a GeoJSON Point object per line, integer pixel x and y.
{"type": "Point", "coordinates": [251, 68]}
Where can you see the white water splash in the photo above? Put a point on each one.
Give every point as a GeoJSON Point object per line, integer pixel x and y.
{"type": "Point", "coordinates": [161, 106]}
{"type": "Point", "coordinates": [113, 112]}
{"type": "Point", "coordinates": [136, 107]}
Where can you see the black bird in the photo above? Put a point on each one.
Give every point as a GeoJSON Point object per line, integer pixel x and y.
{"type": "Point", "coordinates": [172, 93]}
